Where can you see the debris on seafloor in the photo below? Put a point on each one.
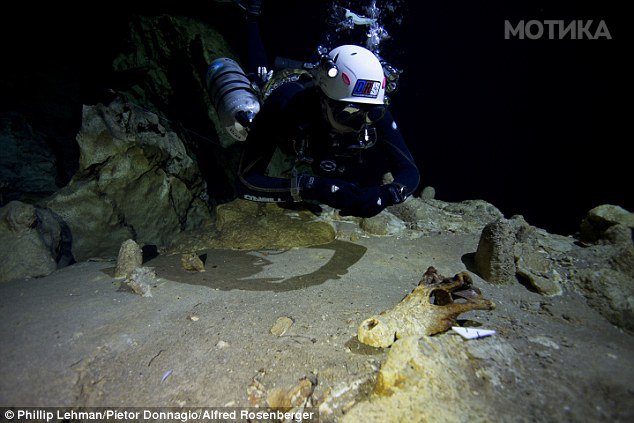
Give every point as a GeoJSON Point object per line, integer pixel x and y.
{"type": "Point", "coordinates": [288, 399]}
{"type": "Point", "coordinates": [192, 263]}
{"type": "Point", "coordinates": [166, 375]}
{"type": "Point", "coordinates": [256, 392]}
{"type": "Point", "coordinates": [140, 280]}
{"type": "Point", "coordinates": [472, 333]}
{"type": "Point", "coordinates": [281, 326]}
{"type": "Point", "coordinates": [431, 308]}
{"type": "Point", "coordinates": [298, 395]}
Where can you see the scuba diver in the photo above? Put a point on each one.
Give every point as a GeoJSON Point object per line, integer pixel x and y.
{"type": "Point", "coordinates": [334, 122]}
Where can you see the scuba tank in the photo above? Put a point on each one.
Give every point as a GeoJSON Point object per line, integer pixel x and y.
{"type": "Point", "coordinates": [234, 98]}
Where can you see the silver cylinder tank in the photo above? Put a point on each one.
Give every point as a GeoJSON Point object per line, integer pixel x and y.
{"type": "Point", "coordinates": [233, 96]}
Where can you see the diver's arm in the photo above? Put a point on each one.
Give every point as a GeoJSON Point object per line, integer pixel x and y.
{"type": "Point", "coordinates": [402, 166]}
{"type": "Point", "coordinates": [372, 200]}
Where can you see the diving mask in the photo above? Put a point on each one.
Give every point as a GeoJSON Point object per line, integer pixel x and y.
{"type": "Point", "coordinates": [355, 115]}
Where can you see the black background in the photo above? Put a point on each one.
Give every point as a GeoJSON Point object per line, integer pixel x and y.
{"type": "Point", "coordinates": [537, 127]}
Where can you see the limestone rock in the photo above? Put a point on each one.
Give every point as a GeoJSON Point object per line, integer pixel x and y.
{"type": "Point", "coordinates": [281, 325]}
{"type": "Point", "coordinates": [192, 263]}
{"type": "Point", "coordinates": [512, 250]}
{"type": "Point", "coordinates": [24, 253]}
{"type": "Point", "coordinates": [618, 234]}
{"type": "Point", "coordinates": [155, 43]}
{"type": "Point", "coordinates": [431, 215]}
{"type": "Point", "coordinates": [601, 218]}
{"type": "Point", "coordinates": [141, 280]}
{"type": "Point", "coordinates": [535, 269]}
{"type": "Point", "coordinates": [522, 230]}
{"type": "Point", "coordinates": [135, 180]}
{"type": "Point", "coordinates": [384, 223]}
{"type": "Point", "coordinates": [611, 293]}
{"type": "Point", "coordinates": [56, 235]}
{"type": "Point", "coordinates": [250, 225]}
{"type": "Point", "coordinates": [549, 285]}
{"type": "Point", "coordinates": [622, 259]}
{"type": "Point", "coordinates": [376, 225]}
{"type": "Point", "coordinates": [428, 193]}
{"type": "Point", "coordinates": [426, 379]}
{"type": "Point", "coordinates": [18, 217]}
{"type": "Point", "coordinates": [494, 258]}
{"type": "Point", "coordinates": [130, 257]}
{"type": "Point", "coordinates": [96, 227]}
{"type": "Point", "coordinates": [163, 64]}
{"type": "Point", "coordinates": [604, 273]}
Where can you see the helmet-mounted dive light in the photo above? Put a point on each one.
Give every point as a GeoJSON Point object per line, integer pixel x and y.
{"type": "Point", "coordinates": [328, 66]}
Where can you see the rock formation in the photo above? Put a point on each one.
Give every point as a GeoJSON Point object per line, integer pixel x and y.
{"type": "Point", "coordinates": [600, 219]}
{"type": "Point", "coordinates": [34, 242]}
{"type": "Point", "coordinates": [141, 280]}
{"type": "Point", "coordinates": [192, 263]}
{"type": "Point", "coordinates": [130, 257]}
{"type": "Point", "coordinates": [430, 215]}
{"type": "Point", "coordinates": [164, 64]}
{"type": "Point", "coordinates": [605, 267]}
{"type": "Point", "coordinates": [135, 181]}
{"type": "Point", "coordinates": [600, 264]}
{"type": "Point", "coordinates": [511, 250]}
{"type": "Point", "coordinates": [425, 379]}
{"type": "Point", "coordinates": [494, 258]}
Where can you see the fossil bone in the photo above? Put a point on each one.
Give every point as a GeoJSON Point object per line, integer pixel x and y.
{"type": "Point", "coordinates": [429, 309]}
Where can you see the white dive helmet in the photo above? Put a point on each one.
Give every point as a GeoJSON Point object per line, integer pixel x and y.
{"type": "Point", "coordinates": [358, 78]}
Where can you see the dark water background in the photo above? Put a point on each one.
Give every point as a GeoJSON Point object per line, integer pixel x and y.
{"type": "Point", "coordinates": [537, 127]}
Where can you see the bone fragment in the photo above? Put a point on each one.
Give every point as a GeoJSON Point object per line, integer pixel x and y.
{"type": "Point", "coordinates": [429, 309]}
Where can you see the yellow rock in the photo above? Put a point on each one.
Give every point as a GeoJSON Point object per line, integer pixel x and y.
{"type": "Point", "coordinates": [281, 326]}
{"type": "Point", "coordinates": [428, 379]}
{"type": "Point", "coordinates": [192, 263]}
{"type": "Point", "coordinates": [248, 225]}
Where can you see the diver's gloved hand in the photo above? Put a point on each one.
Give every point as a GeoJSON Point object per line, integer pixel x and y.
{"type": "Point", "coordinates": [336, 193]}
{"type": "Point", "coordinates": [371, 201]}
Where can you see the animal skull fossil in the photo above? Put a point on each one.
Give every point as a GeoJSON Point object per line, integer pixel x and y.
{"type": "Point", "coordinates": [432, 307]}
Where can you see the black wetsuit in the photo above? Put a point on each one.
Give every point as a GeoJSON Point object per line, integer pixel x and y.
{"type": "Point", "coordinates": [292, 120]}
